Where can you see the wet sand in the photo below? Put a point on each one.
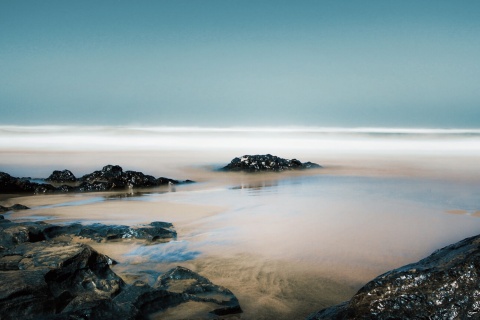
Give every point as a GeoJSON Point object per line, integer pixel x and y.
{"type": "Point", "coordinates": [286, 244]}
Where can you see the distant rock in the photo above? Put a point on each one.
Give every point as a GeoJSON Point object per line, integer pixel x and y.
{"type": "Point", "coordinates": [445, 285]}
{"type": "Point", "coordinates": [45, 278]}
{"type": "Point", "coordinates": [58, 176]}
{"type": "Point", "coordinates": [111, 177]}
{"type": "Point", "coordinates": [259, 163]}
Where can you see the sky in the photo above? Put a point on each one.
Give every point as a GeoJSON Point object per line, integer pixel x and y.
{"type": "Point", "coordinates": [240, 63]}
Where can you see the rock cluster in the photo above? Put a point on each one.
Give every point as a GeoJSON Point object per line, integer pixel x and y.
{"type": "Point", "coordinates": [109, 178]}
{"type": "Point", "coordinates": [258, 163]}
{"type": "Point", "coordinates": [445, 285]}
{"type": "Point", "coordinates": [45, 277]}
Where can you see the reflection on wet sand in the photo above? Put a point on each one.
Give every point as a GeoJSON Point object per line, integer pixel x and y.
{"type": "Point", "coordinates": [285, 244]}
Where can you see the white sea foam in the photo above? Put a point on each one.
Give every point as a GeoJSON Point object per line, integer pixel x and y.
{"type": "Point", "coordinates": [268, 139]}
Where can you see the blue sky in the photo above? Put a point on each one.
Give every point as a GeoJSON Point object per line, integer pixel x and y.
{"type": "Point", "coordinates": [249, 63]}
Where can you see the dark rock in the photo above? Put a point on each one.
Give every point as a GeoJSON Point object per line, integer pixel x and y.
{"type": "Point", "coordinates": [258, 163]}
{"type": "Point", "coordinates": [199, 289]}
{"type": "Point", "coordinates": [111, 177]}
{"type": "Point", "coordinates": [49, 279]}
{"type": "Point", "coordinates": [445, 285]}
{"type": "Point", "coordinates": [155, 231]}
{"type": "Point", "coordinates": [94, 186]}
{"type": "Point", "coordinates": [9, 184]}
{"type": "Point", "coordinates": [61, 176]}
{"type": "Point", "coordinates": [42, 278]}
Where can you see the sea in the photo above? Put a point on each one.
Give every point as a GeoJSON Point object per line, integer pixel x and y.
{"type": "Point", "coordinates": [286, 244]}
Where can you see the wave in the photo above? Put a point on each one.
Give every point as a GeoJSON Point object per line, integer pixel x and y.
{"type": "Point", "coordinates": [243, 139]}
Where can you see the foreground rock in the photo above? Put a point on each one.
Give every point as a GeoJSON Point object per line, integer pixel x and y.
{"type": "Point", "coordinates": [109, 178]}
{"type": "Point", "coordinates": [445, 285]}
{"type": "Point", "coordinates": [45, 278]}
{"type": "Point", "coordinates": [258, 163]}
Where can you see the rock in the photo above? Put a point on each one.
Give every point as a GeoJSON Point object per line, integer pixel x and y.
{"type": "Point", "coordinates": [155, 231]}
{"type": "Point", "coordinates": [200, 289]}
{"type": "Point", "coordinates": [258, 163]}
{"type": "Point", "coordinates": [111, 177]}
{"type": "Point", "coordinates": [15, 207]}
{"type": "Point", "coordinates": [42, 278]}
{"type": "Point", "coordinates": [46, 279]}
{"type": "Point", "coordinates": [61, 176]}
{"type": "Point", "coordinates": [445, 285]}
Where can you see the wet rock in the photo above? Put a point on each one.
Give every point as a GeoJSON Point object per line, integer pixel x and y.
{"type": "Point", "coordinates": [61, 176]}
{"type": "Point", "coordinates": [42, 278]}
{"type": "Point", "coordinates": [15, 207]}
{"type": "Point", "coordinates": [49, 279]}
{"type": "Point", "coordinates": [445, 285]}
{"type": "Point", "coordinates": [258, 163]}
{"type": "Point", "coordinates": [199, 289]}
{"type": "Point", "coordinates": [155, 231]}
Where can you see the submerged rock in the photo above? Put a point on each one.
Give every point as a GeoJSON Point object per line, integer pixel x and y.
{"type": "Point", "coordinates": [61, 176]}
{"type": "Point", "coordinates": [44, 278]}
{"type": "Point", "coordinates": [15, 207]}
{"type": "Point", "coordinates": [257, 163]}
{"type": "Point", "coordinates": [445, 285]}
{"type": "Point", "coordinates": [155, 231]}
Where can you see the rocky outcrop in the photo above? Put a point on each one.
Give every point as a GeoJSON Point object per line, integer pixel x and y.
{"type": "Point", "coordinates": [109, 178]}
{"type": "Point", "coordinates": [46, 278]}
{"type": "Point", "coordinates": [15, 207]}
{"type": "Point", "coordinates": [58, 176]}
{"type": "Point", "coordinates": [445, 285]}
{"type": "Point", "coordinates": [9, 184]}
{"type": "Point", "coordinates": [258, 163]}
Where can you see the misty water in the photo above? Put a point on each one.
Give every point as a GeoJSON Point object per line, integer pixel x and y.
{"type": "Point", "coordinates": [286, 244]}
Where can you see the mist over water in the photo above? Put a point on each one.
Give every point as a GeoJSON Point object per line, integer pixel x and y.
{"type": "Point", "coordinates": [174, 147]}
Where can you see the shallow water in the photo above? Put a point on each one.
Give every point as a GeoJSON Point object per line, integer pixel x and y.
{"type": "Point", "coordinates": [286, 244]}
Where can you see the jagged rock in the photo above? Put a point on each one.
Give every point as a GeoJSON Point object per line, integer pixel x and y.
{"type": "Point", "coordinates": [47, 279]}
{"type": "Point", "coordinates": [445, 285]}
{"type": "Point", "coordinates": [15, 207]}
{"type": "Point", "coordinates": [61, 176]}
{"type": "Point", "coordinates": [257, 163]}
{"type": "Point", "coordinates": [42, 278]}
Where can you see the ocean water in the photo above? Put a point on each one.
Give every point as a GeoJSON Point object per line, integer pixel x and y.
{"type": "Point", "coordinates": [286, 244]}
